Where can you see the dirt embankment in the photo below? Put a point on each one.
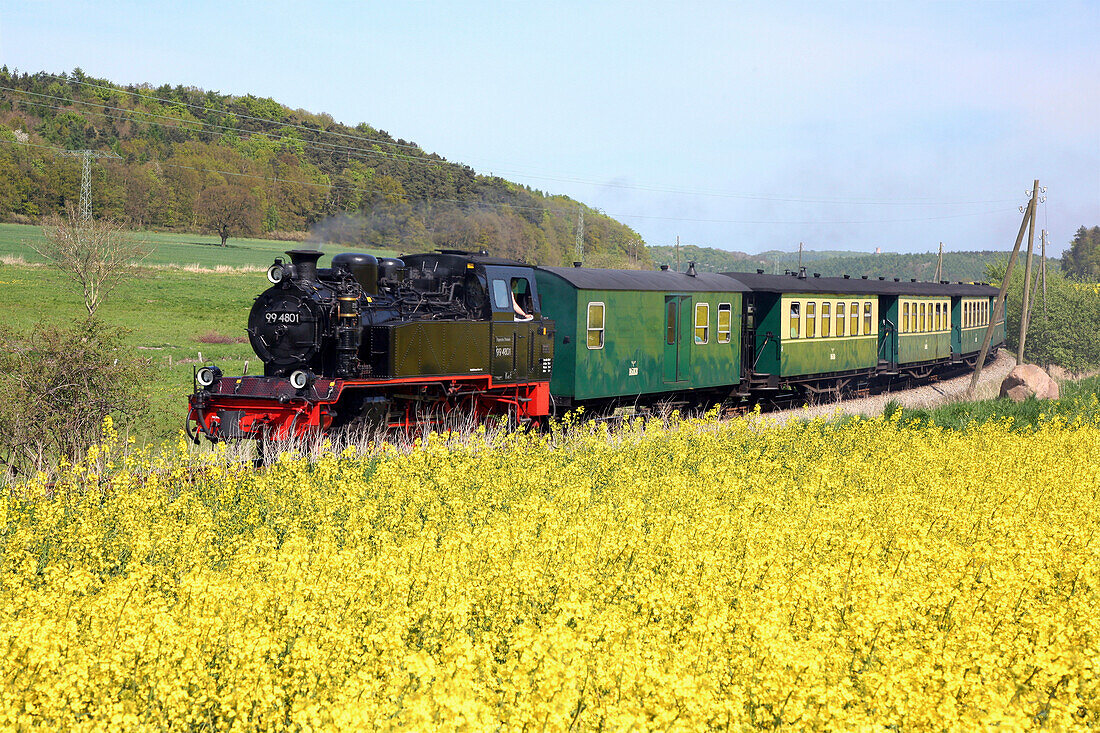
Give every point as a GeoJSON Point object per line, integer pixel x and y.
{"type": "Point", "coordinates": [929, 395]}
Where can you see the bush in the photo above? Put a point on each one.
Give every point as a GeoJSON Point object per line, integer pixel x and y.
{"type": "Point", "coordinates": [56, 387]}
{"type": "Point", "coordinates": [1066, 331]}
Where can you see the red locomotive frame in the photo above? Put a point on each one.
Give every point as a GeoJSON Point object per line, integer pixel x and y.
{"type": "Point", "coordinates": [271, 408]}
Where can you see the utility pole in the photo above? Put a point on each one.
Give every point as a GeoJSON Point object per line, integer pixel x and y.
{"type": "Point", "coordinates": [1040, 275]}
{"type": "Point", "coordinates": [86, 176]}
{"type": "Point", "coordinates": [578, 252]}
{"type": "Point", "coordinates": [677, 253]}
{"type": "Point", "coordinates": [1024, 306]}
{"type": "Point", "coordinates": [999, 303]}
{"type": "Point", "coordinates": [939, 265]}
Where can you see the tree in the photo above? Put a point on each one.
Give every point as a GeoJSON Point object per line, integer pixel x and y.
{"type": "Point", "coordinates": [1082, 259]}
{"type": "Point", "coordinates": [227, 209]}
{"type": "Point", "coordinates": [96, 253]}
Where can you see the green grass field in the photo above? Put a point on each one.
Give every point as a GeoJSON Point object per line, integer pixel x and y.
{"type": "Point", "coordinates": [167, 311]}
{"type": "Point", "coordinates": [19, 240]}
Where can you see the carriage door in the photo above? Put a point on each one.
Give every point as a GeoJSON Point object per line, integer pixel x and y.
{"type": "Point", "coordinates": [677, 353]}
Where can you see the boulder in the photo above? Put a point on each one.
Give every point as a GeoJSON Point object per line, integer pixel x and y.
{"type": "Point", "coordinates": [1028, 380]}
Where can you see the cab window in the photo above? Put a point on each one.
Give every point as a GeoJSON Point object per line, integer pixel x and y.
{"type": "Point", "coordinates": [725, 322]}
{"type": "Point", "coordinates": [702, 323]}
{"type": "Point", "coordinates": [595, 325]}
{"type": "Point", "coordinates": [502, 300]}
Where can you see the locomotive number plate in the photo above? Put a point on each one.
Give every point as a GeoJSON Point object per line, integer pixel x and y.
{"type": "Point", "coordinates": [283, 317]}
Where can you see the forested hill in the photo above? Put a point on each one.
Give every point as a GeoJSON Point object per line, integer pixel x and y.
{"type": "Point", "coordinates": [183, 151]}
{"type": "Point", "coordinates": [965, 266]}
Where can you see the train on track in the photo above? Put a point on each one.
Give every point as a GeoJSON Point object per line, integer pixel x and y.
{"type": "Point", "coordinates": [396, 343]}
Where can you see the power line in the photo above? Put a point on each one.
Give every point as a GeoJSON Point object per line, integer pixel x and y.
{"type": "Point", "coordinates": [807, 221]}
{"type": "Point", "coordinates": [235, 114]}
{"type": "Point", "coordinates": [571, 211]}
{"type": "Point", "coordinates": [521, 172]}
{"type": "Point", "coordinates": [312, 144]}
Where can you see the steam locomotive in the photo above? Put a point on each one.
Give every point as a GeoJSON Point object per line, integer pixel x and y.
{"type": "Point", "coordinates": [403, 342]}
{"type": "Point", "coordinates": [384, 342]}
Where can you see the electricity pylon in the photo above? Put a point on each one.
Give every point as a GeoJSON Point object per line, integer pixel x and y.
{"type": "Point", "coordinates": [86, 177]}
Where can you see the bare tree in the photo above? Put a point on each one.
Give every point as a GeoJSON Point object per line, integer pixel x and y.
{"type": "Point", "coordinates": [227, 210]}
{"type": "Point", "coordinates": [96, 254]}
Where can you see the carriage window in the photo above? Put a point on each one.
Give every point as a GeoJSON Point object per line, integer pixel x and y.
{"type": "Point", "coordinates": [939, 317]}
{"type": "Point", "coordinates": [867, 317]}
{"type": "Point", "coordinates": [595, 325]}
{"type": "Point", "coordinates": [904, 318]}
{"type": "Point", "coordinates": [811, 320]}
{"type": "Point", "coordinates": [854, 315]}
{"type": "Point", "coordinates": [922, 324]}
{"type": "Point", "coordinates": [670, 321]}
{"type": "Point", "coordinates": [702, 323]}
{"type": "Point", "coordinates": [502, 297]}
{"type": "Point", "coordinates": [725, 322]}
{"type": "Point", "coordinates": [840, 319]}
{"type": "Point", "coordinates": [966, 315]}
{"type": "Point", "coordinates": [826, 320]}
{"type": "Point", "coordinates": [795, 322]}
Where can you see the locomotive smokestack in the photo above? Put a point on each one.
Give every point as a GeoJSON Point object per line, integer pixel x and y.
{"type": "Point", "coordinates": [305, 263]}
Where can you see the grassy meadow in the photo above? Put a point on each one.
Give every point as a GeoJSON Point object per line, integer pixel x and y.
{"type": "Point", "coordinates": [172, 310]}
{"type": "Point", "coordinates": [182, 250]}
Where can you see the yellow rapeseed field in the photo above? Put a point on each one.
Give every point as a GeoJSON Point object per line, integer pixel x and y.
{"type": "Point", "coordinates": [685, 576]}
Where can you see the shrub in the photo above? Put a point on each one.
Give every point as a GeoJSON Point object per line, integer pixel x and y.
{"type": "Point", "coordinates": [56, 387]}
{"type": "Point", "coordinates": [1065, 332]}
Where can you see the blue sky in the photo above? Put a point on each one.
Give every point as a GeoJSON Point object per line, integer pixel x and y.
{"type": "Point", "coordinates": [741, 126]}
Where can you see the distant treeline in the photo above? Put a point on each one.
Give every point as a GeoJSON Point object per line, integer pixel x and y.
{"type": "Point", "coordinates": [965, 266]}
{"type": "Point", "coordinates": [297, 170]}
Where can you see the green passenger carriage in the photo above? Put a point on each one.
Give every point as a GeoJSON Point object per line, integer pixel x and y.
{"type": "Point", "coordinates": [803, 331]}
{"type": "Point", "coordinates": [641, 335]}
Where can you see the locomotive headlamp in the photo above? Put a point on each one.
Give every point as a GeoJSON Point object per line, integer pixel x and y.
{"type": "Point", "coordinates": [275, 273]}
{"type": "Point", "coordinates": [300, 379]}
{"type": "Point", "coordinates": [207, 376]}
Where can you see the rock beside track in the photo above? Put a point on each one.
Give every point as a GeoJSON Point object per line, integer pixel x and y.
{"type": "Point", "coordinates": [1028, 380]}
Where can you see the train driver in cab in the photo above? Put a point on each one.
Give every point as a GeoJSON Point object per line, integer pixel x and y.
{"type": "Point", "coordinates": [521, 292]}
